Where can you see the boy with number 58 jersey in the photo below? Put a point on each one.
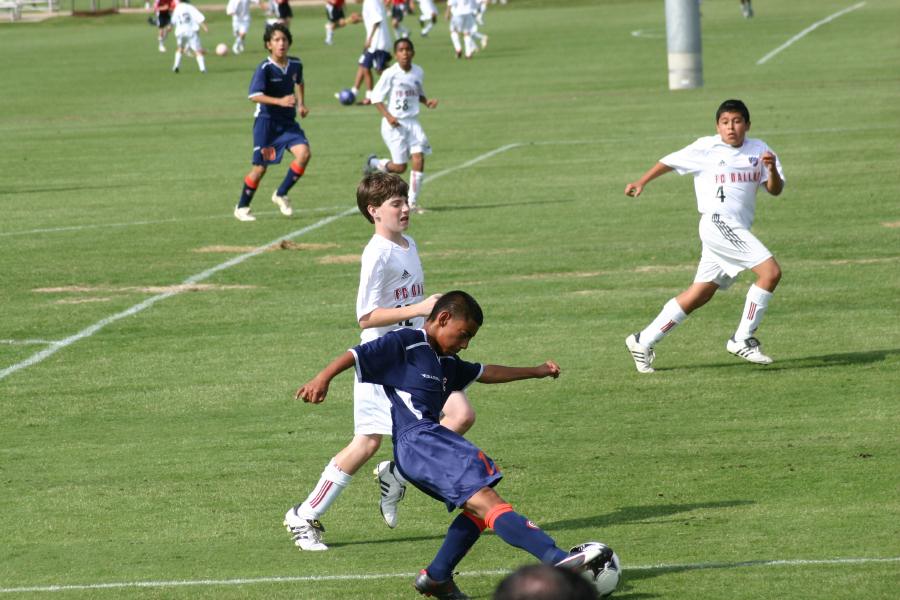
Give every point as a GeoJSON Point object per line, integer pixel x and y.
{"type": "Point", "coordinates": [728, 169]}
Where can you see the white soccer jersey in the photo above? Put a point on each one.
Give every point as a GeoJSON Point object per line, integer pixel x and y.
{"type": "Point", "coordinates": [725, 178]}
{"type": "Point", "coordinates": [390, 276]}
{"type": "Point", "coordinates": [186, 19]}
{"type": "Point", "coordinates": [427, 8]}
{"type": "Point", "coordinates": [400, 90]}
{"type": "Point", "coordinates": [374, 16]}
{"type": "Point", "coordinates": [240, 9]}
{"type": "Point", "coordinates": [462, 7]}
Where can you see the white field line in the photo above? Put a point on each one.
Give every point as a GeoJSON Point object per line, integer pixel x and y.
{"type": "Point", "coordinates": [368, 577]}
{"type": "Point", "coordinates": [809, 29]}
{"type": "Point", "coordinates": [56, 346]}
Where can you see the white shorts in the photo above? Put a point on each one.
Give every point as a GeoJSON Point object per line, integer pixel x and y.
{"type": "Point", "coordinates": [405, 139]}
{"type": "Point", "coordinates": [463, 23]}
{"type": "Point", "coordinates": [728, 249]}
{"type": "Point", "coordinates": [371, 409]}
{"type": "Point", "coordinates": [427, 9]}
{"type": "Point", "coordinates": [240, 25]}
{"type": "Point", "coordinates": [191, 40]}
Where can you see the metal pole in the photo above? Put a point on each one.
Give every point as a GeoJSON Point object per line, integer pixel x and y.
{"type": "Point", "coordinates": [683, 44]}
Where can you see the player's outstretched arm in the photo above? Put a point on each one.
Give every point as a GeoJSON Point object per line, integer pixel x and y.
{"type": "Point", "coordinates": [315, 390]}
{"type": "Point", "coordinates": [391, 316]}
{"type": "Point", "coordinates": [501, 374]}
{"type": "Point", "coordinates": [634, 189]}
{"type": "Point", "coordinates": [774, 183]}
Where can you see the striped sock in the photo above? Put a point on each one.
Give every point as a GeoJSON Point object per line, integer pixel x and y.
{"type": "Point", "coordinates": [331, 483]}
{"type": "Point", "coordinates": [670, 316]}
{"type": "Point", "coordinates": [754, 306]}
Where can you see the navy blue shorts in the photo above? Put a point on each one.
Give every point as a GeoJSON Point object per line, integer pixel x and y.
{"type": "Point", "coordinates": [284, 10]}
{"type": "Point", "coordinates": [271, 138]}
{"type": "Point", "coordinates": [397, 13]}
{"type": "Point", "coordinates": [334, 14]}
{"type": "Point", "coordinates": [442, 463]}
{"type": "Point", "coordinates": [377, 60]}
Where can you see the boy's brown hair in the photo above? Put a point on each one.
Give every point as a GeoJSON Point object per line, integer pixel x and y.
{"type": "Point", "coordinates": [377, 188]}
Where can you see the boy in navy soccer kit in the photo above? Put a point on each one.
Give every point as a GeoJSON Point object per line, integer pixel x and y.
{"type": "Point", "coordinates": [419, 369]}
{"type": "Point", "coordinates": [277, 88]}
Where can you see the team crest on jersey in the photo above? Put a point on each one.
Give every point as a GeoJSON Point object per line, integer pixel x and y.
{"type": "Point", "coordinates": [754, 160]}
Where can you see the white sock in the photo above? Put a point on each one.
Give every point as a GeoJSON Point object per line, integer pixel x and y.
{"type": "Point", "coordinates": [415, 185]}
{"type": "Point", "coordinates": [201, 62]}
{"type": "Point", "coordinates": [331, 483]}
{"type": "Point", "coordinates": [177, 59]}
{"type": "Point", "coordinates": [329, 32]}
{"type": "Point", "coordinates": [470, 45]}
{"type": "Point", "coordinates": [381, 164]}
{"type": "Point", "coordinates": [670, 316]}
{"type": "Point", "coordinates": [454, 37]}
{"type": "Point", "coordinates": [754, 306]}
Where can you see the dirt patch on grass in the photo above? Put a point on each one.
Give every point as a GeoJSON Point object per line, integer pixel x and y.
{"type": "Point", "coordinates": [151, 289]}
{"type": "Point", "coordinates": [283, 245]}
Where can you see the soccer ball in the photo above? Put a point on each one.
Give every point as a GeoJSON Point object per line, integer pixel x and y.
{"type": "Point", "coordinates": [603, 572]}
{"type": "Point", "coordinates": [346, 97]}
{"type": "Point", "coordinates": [222, 49]}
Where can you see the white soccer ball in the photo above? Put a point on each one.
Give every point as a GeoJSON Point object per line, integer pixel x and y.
{"type": "Point", "coordinates": [222, 49]}
{"type": "Point", "coordinates": [604, 571]}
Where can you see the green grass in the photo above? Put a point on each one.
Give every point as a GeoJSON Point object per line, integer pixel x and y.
{"type": "Point", "coordinates": [166, 445]}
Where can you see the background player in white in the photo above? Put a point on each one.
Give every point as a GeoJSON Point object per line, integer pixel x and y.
{"type": "Point", "coordinates": [376, 52]}
{"type": "Point", "coordinates": [397, 97]}
{"type": "Point", "coordinates": [391, 295]}
{"type": "Point", "coordinates": [728, 169]}
{"type": "Point", "coordinates": [188, 22]}
{"type": "Point", "coordinates": [428, 15]}
{"type": "Point", "coordinates": [240, 21]}
{"type": "Point", "coordinates": [335, 18]}
{"type": "Point", "coordinates": [461, 14]}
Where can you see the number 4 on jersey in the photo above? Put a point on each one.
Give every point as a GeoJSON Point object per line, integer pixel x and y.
{"type": "Point", "coordinates": [720, 193]}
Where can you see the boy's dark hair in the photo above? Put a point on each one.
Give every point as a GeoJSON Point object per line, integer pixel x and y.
{"type": "Point", "coordinates": [733, 106]}
{"type": "Point", "coordinates": [377, 188]}
{"type": "Point", "coordinates": [402, 40]}
{"type": "Point", "coordinates": [270, 31]}
{"type": "Point", "coordinates": [544, 582]}
{"type": "Point", "coordinates": [460, 305]}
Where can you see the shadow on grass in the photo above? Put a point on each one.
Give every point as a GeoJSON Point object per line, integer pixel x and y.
{"type": "Point", "coordinates": [625, 515]}
{"type": "Point", "coordinates": [844, 359]}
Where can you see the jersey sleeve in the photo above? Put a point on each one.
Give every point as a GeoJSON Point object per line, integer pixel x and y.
{"type": "Point", "coordinates": [465, 374]}
{"type": "Point", "coordinates": [371, 281]}
{"type": "Point", "coordinates": [382, 360]}
{"type": "Point", "coordinates": [258, 82]}
{"type": "Point", "coordinates": [690, 159]}
{"type": "Point", "coordinates": [382, 88]}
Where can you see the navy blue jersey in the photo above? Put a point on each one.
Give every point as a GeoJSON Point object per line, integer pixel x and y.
{"type": "Point", "coordinates": [271, 80]}
{"type": "Point", "coordinates": [416, 379]}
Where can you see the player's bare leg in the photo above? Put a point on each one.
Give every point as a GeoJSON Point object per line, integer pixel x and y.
{"type": "Point", "coordinates": [458, 413]}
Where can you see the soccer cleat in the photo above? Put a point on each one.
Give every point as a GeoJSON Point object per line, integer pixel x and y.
{"type": "Point", "coordinates": [442, 590]}
{"type": "Point", "coordinates": [392, 491]}
{"type": "Point", "coordinates": [283, 203]}
{"type": "Point", "coordinates": [162, 48]}
{"type": "Point", "coordinates": [306, 533]}
{"type": "Point", "coordinates": [643, 355]}
{"type": "Point", "coordinates": [242, 213]}
{"type": "Point", "coordinates": [749, 349]}
{"type": "Point", "coordinates": [584, 556]}
{"type": "Point", "coordinates": [484, 42]}
{"type": "Point", "coordinates": [416, 207]}
{"type": "Point", "coordinates": [367, 167]}
{"type": "Point", "coordinates": [175, 69]}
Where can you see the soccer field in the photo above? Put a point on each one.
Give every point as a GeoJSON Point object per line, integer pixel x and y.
{"type": "Point", "coordinates": [150, 344]}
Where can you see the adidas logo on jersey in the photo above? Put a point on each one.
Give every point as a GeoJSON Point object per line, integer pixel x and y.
{"type": "Point", "coordinates": [406, 274]}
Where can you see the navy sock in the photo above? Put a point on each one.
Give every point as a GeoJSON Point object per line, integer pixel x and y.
{"type": "Point", "coordinates": [294, 173]}
{"type": "Point", "coordinates": [462, 535]}
{"type": "Point", "coordinates": [518, 531]}
{"type": "Point", "coordinates": [246, 194]}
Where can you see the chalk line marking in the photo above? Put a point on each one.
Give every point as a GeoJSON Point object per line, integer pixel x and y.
{"type": "Point", "coordinates": [369, 577]}
{"type": "Point", "coordinates": [809, 29]}
{"type": "Point", "coordinates": [87, 332]}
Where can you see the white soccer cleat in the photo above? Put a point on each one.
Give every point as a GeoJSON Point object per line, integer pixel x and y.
{"type": "Point", "coordinates": [643, 355]}
{"type": "Point", "coordinates": [243, 214]}
{"type": "Point", "coordinates": [749, 349]}
{"type": "Point", "coordinates": [484, 42]}
{"type": "Point", "coordinates": [392, 491]}
{"type": "Point", "coordinates": [283, 203]}
{"type": "Point", "coordinates": [368, 168]}
{"type": "Point", "coordinates": [162, 48]}
{"type": "Point", "coordinates": [581, 556]}
{"type": "Point", "coordinates": [306, 533]}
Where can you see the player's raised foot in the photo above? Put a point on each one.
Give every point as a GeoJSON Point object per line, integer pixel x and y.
{"type": "Point", "coordinates": [242, 213]}
{"type": "Point", "coordinates": [283, 203]}
{"type": "Point", "coordinates": [306, 533]}
{"type": "Point", "coordinates": [162, 48]}
{"type": "Point", "coordinates": [442, 590]}
{"type": "Point", "coordinates": [749, 349]}
{"type": "Point", "coordinates": [370, 166]}
{"type": "Point", "coordinates": [392, 491]}
{"type": "Point", "coordinates": [484, 42]}
{"type": "Point", "coordinates": [584, 556]}
{"type": "Point", "coordinates": [643, 356]}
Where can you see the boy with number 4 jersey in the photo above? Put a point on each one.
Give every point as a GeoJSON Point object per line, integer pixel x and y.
{"type": "Point", "coordinates": [728, 169]}
{"type": "Point", "coordinates": [397, 96]}
{"type": "Point", "coordinates": [391, 296]}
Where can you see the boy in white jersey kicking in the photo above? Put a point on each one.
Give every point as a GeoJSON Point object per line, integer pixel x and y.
{"type": "Point", "coordinates": [397, 96]}
{"type": "Point", "coordinates": [391, 296]}
{"type": "Point", "coordinates": [728, 169]}
{"type": "Point", "coordinates": [239, 10]}
{"type": "Point", "coordinates": [188, 23]}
